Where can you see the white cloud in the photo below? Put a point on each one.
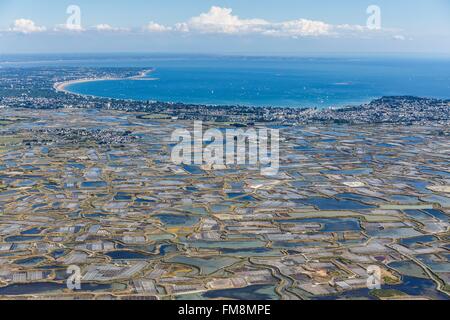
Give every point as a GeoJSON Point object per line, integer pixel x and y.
{"type": "Point", "coordinates": [69, 27]}
{"type": "Point", "coordinates": [26, 26]}
{"type": "Point", "coordinates": [181, 27]}
{"type": "Point", "coordinates": [155, 27]}
{"type": "Point", "coordinates": [352, 27]}
{"type": "Point", "coordinates": [103, 27]}
{"type": "Point", "coordinates": [299, 28]}
{"type": "Point", "coordinates": [220, 20]}
{"type": "Point", "coordinates": [399, 37]}
{"type": "Point", "coordinates": [107, 28]}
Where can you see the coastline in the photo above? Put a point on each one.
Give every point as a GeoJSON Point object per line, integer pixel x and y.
{"type": "Point", "coordinates": [355, 110]}
{"type": "Point", "coordinates": [142, 76]}
{"type": "Point", "coordinates": [62, 86]}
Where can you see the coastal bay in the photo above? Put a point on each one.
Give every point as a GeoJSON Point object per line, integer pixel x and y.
{"type": "Point", "coordinates": [272, 82]}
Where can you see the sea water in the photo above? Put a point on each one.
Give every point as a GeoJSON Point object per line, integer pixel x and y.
{"type": "Point", "coordinates": [265, 81]}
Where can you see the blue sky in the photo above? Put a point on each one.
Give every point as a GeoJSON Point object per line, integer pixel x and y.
{"type": "Point", "coordinates": [234, 26]}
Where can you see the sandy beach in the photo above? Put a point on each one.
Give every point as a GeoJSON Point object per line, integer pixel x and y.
{"type": "Point", "coordinates": [61, 86]}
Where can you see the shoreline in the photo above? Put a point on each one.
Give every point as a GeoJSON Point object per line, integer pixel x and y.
{"type": "Point", "coordinates": [61, 86]}
{"type": "Point", "coordinates": [141, 76]}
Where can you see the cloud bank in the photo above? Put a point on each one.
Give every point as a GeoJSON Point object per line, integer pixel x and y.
{"type": "Point", "coordinates": [25, 26]}
{"type": "Point", "coordinates": [156, 27]}
{"type": "Point", "coordinates": [104, 27]}
{"type": "Point", "coordinates": [219, 20]}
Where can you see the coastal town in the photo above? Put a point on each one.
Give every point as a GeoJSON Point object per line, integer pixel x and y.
{"type": "Point", "coordinates": [48, 92]}
{"type": "Point", "coordinates": [88, 184]}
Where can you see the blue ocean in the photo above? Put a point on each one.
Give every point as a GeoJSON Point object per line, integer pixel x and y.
{"type": "Point", "coordinates": [271, 81]}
